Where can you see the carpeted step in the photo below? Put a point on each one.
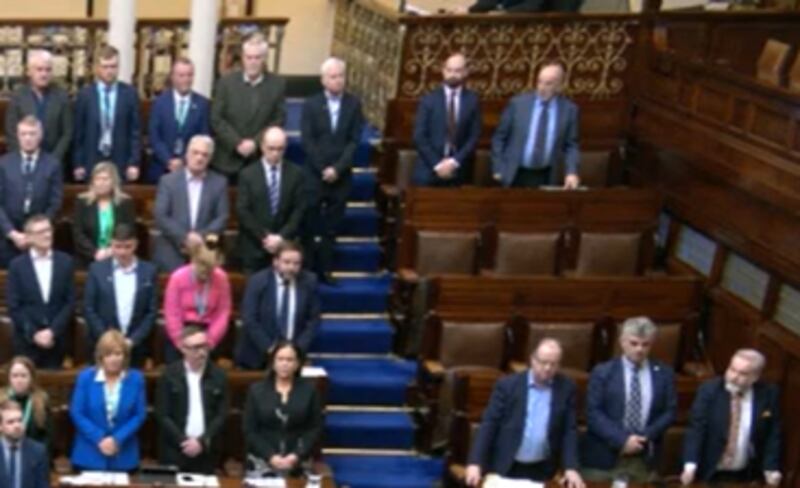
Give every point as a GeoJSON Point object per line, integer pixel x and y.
{"type": "Point", "coordinates": [385, 471]}
{"type": "Point", "coordinates": [356, 295]}
{"type": "Point", "coordinates": [373, 336]}
{"type": "Point", "coordinates": [369, 430]}
{"type": "Point", "coordinates": [382, 381]}
{"type": "Point", "coordinates": [363, 187]}
{"type": "Point", "coordinates": [357, 256]}
{"type": "Point", "coordinates": [360, 222]}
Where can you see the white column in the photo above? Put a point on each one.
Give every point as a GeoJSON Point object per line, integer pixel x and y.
{"type": "Point", "coordinates": [203, 43]}
{"type": "Point", "coordinates": [121, 34]}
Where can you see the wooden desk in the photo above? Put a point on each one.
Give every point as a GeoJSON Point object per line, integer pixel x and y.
{"type": "Point", "coordinates": [327, 482]}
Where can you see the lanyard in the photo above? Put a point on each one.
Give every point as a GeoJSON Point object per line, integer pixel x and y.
{"type": "Point", "coordinates": [26, 414]}
{"type": "Point", "coordinates": [201, 297]}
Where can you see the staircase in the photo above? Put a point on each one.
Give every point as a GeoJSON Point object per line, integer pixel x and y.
{"type": "Point", "coordinates": [369, 430]}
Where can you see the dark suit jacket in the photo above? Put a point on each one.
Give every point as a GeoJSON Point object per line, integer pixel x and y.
{"type": "Point", "coordinates": [259, 316]}
{"type": "Point", "coordinates": [57, 123]}
{"type": "Point", "coordinates": [86, 224]}
{"type": "Point", "coordinates": [173, 219]}
{"type": "Point", "coordinates": [172, 412]}
{"type": "Point", "coordinates": [163, 129]}
{"type": "Point", "coordinates": [264, 431]}
{"type": "Point", "coordinates": [520, 6]}
{"type": "Point", "coordinates": [605, 413]}
{"type": "Point", "coordinates": [48, 190]}
{"type": "Point", "coordinates": [430, 135]}
{"type": "Point", "coordinates": [34, 468]}
{"type": "Point", "coordinates": [254, 210]}
{"type": "Point", "coordinates": [126, 134]}
{"type": "Point", "coordinates": [324, 147]}
{"type": "Point", "coordinates": [34, 431]}
{"type": "Point", "coordinates": [100, 303]}
{"type": "Point", "coordinates": [243, 112]}
{"type": "Point", "coordinates": [508, 142]}
{"type": "Point", "coordinates": [26, 306]}
{"type": "Point", "coordinates": [503, 424]}
{"type": "Point", "coordinates": [709, 421]}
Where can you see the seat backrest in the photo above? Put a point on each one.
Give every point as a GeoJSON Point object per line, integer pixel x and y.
{"type": "Point", "coordinates": [444, 252]}
{"type": "Point", "coordinates": [608, 254]}
{"type": "Point", "coordinates": [482, 169]}
{"type": "Point", "coordinates": [472, 388]}
{"type": "Point", "coordinates": [6, 339]}
{"type": "Point", "coordinates": [593, 168]}
{"type": "Point", "coordinates": [472, 344]}
{"type": "Point", "coordinates": [406, 159]}
{"type": "Point", "coordinates": [671, 463]}
{"type": "Point", "coordinates": [576, 338]}
{"type": "Point", "coordinates": [527, 254]}
{"type": "Point", "coordinates": [794, 75]}
{"type": "Point", "coordinates": [667, 345]}
{"type": "Point", "coordinates": [772, 62]}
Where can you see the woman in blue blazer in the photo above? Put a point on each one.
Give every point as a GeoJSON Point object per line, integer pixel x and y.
{"type": "Point", "coordinates": [108, 407]}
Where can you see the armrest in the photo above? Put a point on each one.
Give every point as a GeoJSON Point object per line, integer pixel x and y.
{"type": "Point", "coordinates": [433, 368]}
{"type": "Point", "coordinates": [517, 366]}
{"type": "Point", "coordinates": [408, 275]}
{"type": "Point", "coordinates": [390, 191]}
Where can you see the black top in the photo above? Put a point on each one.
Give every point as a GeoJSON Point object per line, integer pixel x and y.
{"type": "Point", "coordinates": [86, 225]}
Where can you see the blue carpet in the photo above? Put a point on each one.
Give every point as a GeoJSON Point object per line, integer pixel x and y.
{"type": "Point", "coordinates": [368, 430]}
{"type": "Point", "coordinates": [385, 471]}
{"type": "Point", "coordinates": [368, 381]}
{"type": "Point", "coordinates": [360, 222]}
{"type": "Point", "coordinates": [356, 295]}
{"type": "Point", "coordinates": [358, 256]}
{"type": "Point", "coordinates": [354, 337]}
{"type": "Point", "coordinates": [363, 188]}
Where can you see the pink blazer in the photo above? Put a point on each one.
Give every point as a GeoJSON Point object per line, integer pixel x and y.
{"type": "Point", "coordinates": [180, 307]}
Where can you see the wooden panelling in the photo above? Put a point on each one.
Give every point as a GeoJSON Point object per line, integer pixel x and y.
{"type": "Point", "coordinates": [731, 325]}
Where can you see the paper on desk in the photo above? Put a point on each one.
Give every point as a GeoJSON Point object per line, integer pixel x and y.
{"type": "Point", "coordinates": [495, 481]}
{"type": "Point", "coordinates": [265, 482]}
{"type": "Point", "coordinates": [194, 479]}
{"type": "Point", "coordinates": [97, 478]}
{"type": "Point", "coordinates": [313, 372]}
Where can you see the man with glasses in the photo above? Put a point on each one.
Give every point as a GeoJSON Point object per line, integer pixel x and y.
{"type": "Point", "coordinates": [191, 406]}
{"type": "Point", "coordinates": [41, 296]}
{"type": "Point", "coordinates": [23, 462]}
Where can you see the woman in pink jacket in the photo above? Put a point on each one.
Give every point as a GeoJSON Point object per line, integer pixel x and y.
{"type": "Point", "coordinates": [198, 293]}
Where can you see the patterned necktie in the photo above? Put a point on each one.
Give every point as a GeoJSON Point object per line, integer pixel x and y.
{"type": "Point", "coordinates": [274, 189]}
{"type": "Point", "coordinates": [634, 409]}
{"type": "Point", "coordinates": [733, 430]}
{"type": "Point", "coordinates": [27, 167]}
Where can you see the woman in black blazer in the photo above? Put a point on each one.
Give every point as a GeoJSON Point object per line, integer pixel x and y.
{"type": "Point", "coordinates": [97, 211]}
{"type": "Point", "coordinates": [282, 414]}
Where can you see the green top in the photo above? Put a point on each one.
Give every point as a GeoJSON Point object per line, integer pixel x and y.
{"type": "Point", "coordinates": [106, 216]}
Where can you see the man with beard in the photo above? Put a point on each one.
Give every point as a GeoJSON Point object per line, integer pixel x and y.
{"type": "Point", "coordinates": [447, 128]}
{"type": "Point", "coordinates": [24, 460]}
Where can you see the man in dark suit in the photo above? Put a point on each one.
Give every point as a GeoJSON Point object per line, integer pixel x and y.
{"type": "Point", "coordinates": [177, 115]}
{"type": "Point", "coordinates": [631, 402]}
{"type": "Point", "coordinates": [734, 432]}
{"type": "Point", "coordinates": [190, 204]}
{"type": "Point", "coordinates": [269, 204]}
{"type": "Point", "coordinates": [191, 407]}
{"type": "Point", "coordinates": [107, 121]}
{"type": "Point", "coordinates": [46, 101]}
{"type": "Point", "coordinates": [24, 461]}
{"type": "Point", "coordinates": [40, 296]}
{"type": "Point", "coordinates": [279, 303]}
{"type": "Point", "coordinates": [332, 123]}
{"type": "Point", "coordinates": [536, 141]}
{"type": "Point", "coordinates": [122, 293]}
{"type": "Point", "coordinates": [245, 103]}
{"type": "Point", "coordinates": [30, 184]}
{"type": "Point", "coordinates": [525, 6]}
{"type": "Point", "coordinates": [529, 426]}
{"type": "Point", "coordinates": [447, 129]}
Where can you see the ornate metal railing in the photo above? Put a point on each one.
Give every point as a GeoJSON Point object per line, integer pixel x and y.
{"type": "Point", "coordinates": [158, 42]}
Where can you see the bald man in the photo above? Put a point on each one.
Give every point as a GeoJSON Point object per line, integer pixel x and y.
{"type": "Point", "coordinates": [529, 430]}
{"type": "Point", "coordinates": [270, 202]}
{"type": "Point", "coordinates": [536, 142]}
{"type": "Point", "coordinates": [46, 101]}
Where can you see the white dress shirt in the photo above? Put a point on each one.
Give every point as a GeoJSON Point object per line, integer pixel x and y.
{"type": "Point", "coordinates": [195, 421]}
{"type": "Point", "coordinates": [334, 107]}
{"type": "Point", "coordinates": [194, 187]}
{"type": "Point", "coordinates": [292, 303]}
{"type": "Point", "coordinates": [253, 82]}
{"type": "Point", "coordinates": [43, 267]}
{"type": "Point", "coordinates": [124, 293]}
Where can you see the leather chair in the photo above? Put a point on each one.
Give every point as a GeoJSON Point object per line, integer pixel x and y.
{"type": "Point", "coordinates": [794, 75]}
{"type": "Point", "coordinates": [6, 339]}
{"type": "Point", "coordinates": [445, 252]}
{"type": "Point", "coordinates": [671, 462]}
{"type": "Point", "coordinates": [772, 62]}
{"type": "Point", "coordinates": [608, 254]}
{"type": "Point", "coordinates": [593, 168]}
{"type": "Point", "coordinates": [405, 168]}
{"type": "Point", "coordinates": [579, 341]}
{"type": "Point", "coordinates": [472, 344]}
{"type": "Point", "coordinates": [527, 254]}
{"type": "Point", "coordinates": [667, 347]}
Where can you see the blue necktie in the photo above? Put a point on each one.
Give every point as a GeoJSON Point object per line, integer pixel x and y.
{"type": "Point", "coordinates": [536, 144]}
{"type": "Point", "coordinates": [12, 465]}
{"type": "Point", "coordinates": [634, 414]}
{"type": "Point", "coordinates": [283, 310]}
{"type": "Point", "coordinates": [274, 189]}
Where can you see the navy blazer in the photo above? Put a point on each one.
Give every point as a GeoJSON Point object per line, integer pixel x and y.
{"type": "Point", "coordinates": [88, 412]}
{"type": "Point", "coordinates": [100, 304]}
{"type": "Point", "coordinates": [605, 413]}
{"type": "Point", "coordinates": [26, 305]}
{"type": "Point", "coordinates": [709, 420]}
{"type": "Point", "coordinates": [430, 134]}
{"type": "Point", "coordinates": [511, 135]}
{"type": "Point", "coordinates": [48, 190]}
{"type": "Point", "coordinates": [503, 424]}
{"type": "Point", "coordinates": [324, 147]}
{"type": "Point", "coordinates": [259, 316]}
{"type": "Point", "coordinates": [35, 468]}
{"type": "Point", "coordinates": [163, 128]}
{"type": "Point", "coordinates": [126, 145]}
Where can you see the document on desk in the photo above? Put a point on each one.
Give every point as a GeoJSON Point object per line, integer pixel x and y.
{"type": "Point", "coordinates": [200, 480]}
{"type": "Point", "coordinates": [495, 481]}
{"type": "Point", "coordinates": [265, 482]}
{"type": "Point", "coordinates": [97, 478]}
